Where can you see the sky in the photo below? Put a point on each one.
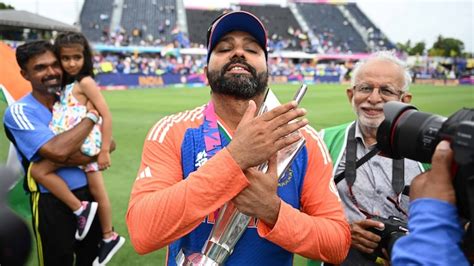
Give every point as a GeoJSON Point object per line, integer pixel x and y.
{"type": "Point", "coordinates": [400, 20]}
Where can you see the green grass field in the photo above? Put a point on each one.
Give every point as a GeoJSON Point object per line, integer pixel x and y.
{"type": "Point", "coordinates": [135, 111]}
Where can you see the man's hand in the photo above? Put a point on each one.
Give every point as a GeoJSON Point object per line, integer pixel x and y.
{"type": "Point", "coordinates": [258, 138]}
{"type": "Point", "coordinates": [362, 239]}
{"type": "Point", "coordinates": [437, 182]}
{"type": "Point", "coordinates": [260, 198]}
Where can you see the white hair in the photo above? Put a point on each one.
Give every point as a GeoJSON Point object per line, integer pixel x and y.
{"type": "Point", "coordinates": [386, 56]}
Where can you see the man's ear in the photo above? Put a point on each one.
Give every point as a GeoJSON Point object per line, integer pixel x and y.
{"type": "Point", "coordinates": [350, 94]}
{"type": "Point", "coordinates": [205, 74]}
{"type": "Point", "coordinates": [24, 74]}
{"type": "Point", "coordinates": [406, 98]}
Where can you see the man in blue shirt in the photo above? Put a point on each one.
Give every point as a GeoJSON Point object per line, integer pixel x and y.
{"type": "Point", "coordinates": [26, 125]}
{"type": "Point", "coordinates": [435, 229]}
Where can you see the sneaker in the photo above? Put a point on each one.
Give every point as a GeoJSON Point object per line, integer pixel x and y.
{"type": "Point", "coordinates": [84, 220]}
{"type": "Point", "coordinates": [108, 250]}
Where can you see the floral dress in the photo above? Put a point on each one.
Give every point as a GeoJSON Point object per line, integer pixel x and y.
{"type": "Point", "coordinates": [68, 112]}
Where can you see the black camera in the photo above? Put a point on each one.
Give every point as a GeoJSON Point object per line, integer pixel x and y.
{"type": "Point", "coordinates": [394, 228]}
{"type": "Point", "coordinates": [407, 133]}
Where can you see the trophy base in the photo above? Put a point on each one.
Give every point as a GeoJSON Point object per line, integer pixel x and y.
{"type": "Point", "coordinates": [195, 259]}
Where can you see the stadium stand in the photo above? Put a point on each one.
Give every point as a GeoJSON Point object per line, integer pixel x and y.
{"type": "Point", "coordinates": [95, 19]}
{"type": "Point", "coordinates": [147, 42]}
{"type": "Point", "coordinates": [198, 22]}
{"type": "Point", "coordinates": [375, 36]}
{"type": "Point", "coordinates": [330, 28]}
{"type": "Point", "coordinates": [335, 34]}
{"type": "Point", "coordinates": [149, 21]}
{"type": "Point", "coordinates": [281, 25]}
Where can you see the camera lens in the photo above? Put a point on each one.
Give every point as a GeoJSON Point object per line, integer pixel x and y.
{"type": "Point", "coordinates": [407, 133]}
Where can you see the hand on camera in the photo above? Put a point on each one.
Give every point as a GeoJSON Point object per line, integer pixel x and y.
{"type": "Point", "coordinates": [437, 182]}
{"type": "Point", "coordinates": [362, 239]}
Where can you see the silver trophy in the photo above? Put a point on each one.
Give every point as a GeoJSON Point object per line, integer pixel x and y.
{"type": "Point", "coordinates": [231, 223]}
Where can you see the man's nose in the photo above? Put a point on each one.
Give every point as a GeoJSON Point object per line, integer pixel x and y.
{"type": "Point", "coordinates": [239, 51]}
{"type": "Point", "coordinates": [374, 96]}
{"type": "Point", "coordinates": [52, 70]}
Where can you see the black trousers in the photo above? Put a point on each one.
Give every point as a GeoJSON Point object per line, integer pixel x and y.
{"type": "Point", "coordinates": [55, 226]}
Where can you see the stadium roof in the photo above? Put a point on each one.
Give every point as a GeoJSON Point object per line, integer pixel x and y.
{"type": "Point", "coordinates": [25, 19]}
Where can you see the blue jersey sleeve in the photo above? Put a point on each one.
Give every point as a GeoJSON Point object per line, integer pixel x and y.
{"type": "Point", "coordinates": [434, 238]}
{"type": "Point", "coordinates": [29, 127]}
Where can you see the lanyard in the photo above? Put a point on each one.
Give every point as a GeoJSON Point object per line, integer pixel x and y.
{"type": "Point", "coordinates": [398, 175]}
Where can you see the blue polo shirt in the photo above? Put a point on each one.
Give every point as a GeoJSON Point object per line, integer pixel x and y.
{"type": "Point", "coordinates": [28, 122]}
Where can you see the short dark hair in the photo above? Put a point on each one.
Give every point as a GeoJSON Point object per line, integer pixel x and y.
{"type": "Point", "coordinates": [28, 50]}
{"type": "Point", "coordinates": [68, 39]}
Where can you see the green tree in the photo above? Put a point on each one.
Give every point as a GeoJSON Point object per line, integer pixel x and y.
{"type": "Point", "coordinates": [404, 47]}
{"type": "Point", "coordinates": [5, 6]}
{"type": "Point", "coordinates": [418, 49]}
{"type": "Point", "coordinates": [448, 47]}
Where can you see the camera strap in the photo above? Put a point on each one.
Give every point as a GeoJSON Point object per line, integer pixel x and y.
{"type": "Point", "coordinates": [398, 166]}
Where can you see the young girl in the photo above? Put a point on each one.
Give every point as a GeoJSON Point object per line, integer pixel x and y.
{"type": "Point", "coordinates": [74, 53]}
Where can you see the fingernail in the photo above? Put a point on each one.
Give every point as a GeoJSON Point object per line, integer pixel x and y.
{"type": "Point", "coordinates": [304, 110]}
{"type": "Point", "coordinates": [443, 146]}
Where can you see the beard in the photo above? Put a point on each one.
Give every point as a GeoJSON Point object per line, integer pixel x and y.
{"type": "Point", "coordinates": [53, 88]}
{"type": "Point", "coordinates": [369, 122]}
{"type": "Point", "coordinates": [241, 86]}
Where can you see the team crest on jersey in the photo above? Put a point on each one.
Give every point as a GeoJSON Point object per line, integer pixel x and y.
{"type": "Point", "coordinates": [201, 159]}
{"type": "Point", "coordinates": [285, 178]}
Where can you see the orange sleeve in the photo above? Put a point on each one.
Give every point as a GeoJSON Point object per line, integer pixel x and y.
{"type": "Point", "coordinates": [163, 207]}
{"type": "Point", "coordinates": [319, 230]}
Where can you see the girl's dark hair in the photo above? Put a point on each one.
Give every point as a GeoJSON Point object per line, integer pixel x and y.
{"type": "Point", "coordinates": [68, 39]}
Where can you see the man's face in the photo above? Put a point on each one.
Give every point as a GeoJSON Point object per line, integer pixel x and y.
{"type": "Point", "coordinates": [237, 66]}
{"type": "Point", "coordinates": [44, 73]}
{"type": "Point", "coordinates": [378, 82]}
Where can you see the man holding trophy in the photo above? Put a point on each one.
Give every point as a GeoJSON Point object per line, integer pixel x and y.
{"type": "Point", "coordinates": [222, 185]}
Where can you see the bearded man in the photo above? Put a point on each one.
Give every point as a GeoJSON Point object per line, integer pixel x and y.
{"type": "Point", "coordinates": [195, 161]}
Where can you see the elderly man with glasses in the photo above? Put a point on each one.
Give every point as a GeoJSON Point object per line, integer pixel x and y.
{"type": "Point", "coordinates": [378, 188]}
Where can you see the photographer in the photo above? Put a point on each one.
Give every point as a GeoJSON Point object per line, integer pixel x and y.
{"type": "Point", "coordinates": [375, 188]}
{"type": "Point", "coordinates": [435, 229]}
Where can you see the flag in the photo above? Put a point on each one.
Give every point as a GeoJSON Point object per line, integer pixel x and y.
{"type": "Point", "coordinates": [12, 87]}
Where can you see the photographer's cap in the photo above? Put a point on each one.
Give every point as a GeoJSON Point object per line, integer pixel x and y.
{"type": "Point", "coordinates": [236, 21]}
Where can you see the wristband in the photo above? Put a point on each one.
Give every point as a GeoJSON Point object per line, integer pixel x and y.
{"type": "Point", "coordinates": [92, 116]}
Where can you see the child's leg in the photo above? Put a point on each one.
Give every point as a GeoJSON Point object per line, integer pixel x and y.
{"type": "Point", "coordinates": [97, 189]}
{"type": "Point", "coordinates": [43, 172]}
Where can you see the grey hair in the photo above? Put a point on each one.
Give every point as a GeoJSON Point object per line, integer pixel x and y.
{"type": "Point", "coordinates": [387, 56]}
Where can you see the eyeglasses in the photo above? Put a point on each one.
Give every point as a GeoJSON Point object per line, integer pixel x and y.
{"type": "Point", "coordinates": [385, 91]}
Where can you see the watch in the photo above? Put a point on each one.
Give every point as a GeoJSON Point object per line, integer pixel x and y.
{"type": "Point", "coordinates": [92, 116]}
